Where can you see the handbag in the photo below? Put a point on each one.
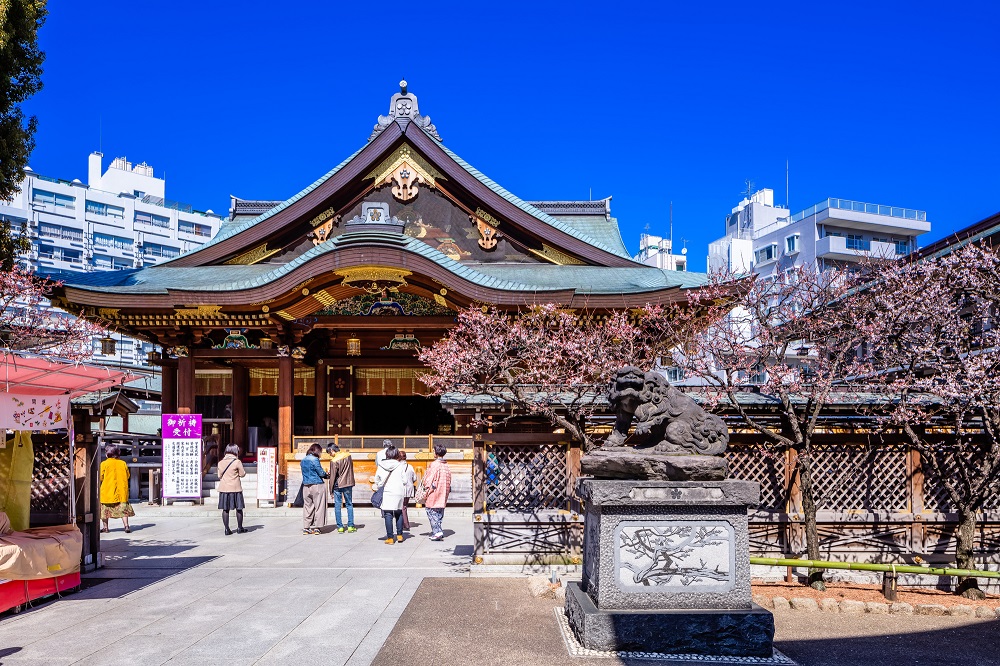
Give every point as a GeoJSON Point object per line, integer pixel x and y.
{"type": "Point", "coordinates": [422, 490]}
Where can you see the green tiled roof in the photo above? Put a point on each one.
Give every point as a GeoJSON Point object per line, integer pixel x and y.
{"type": "Point", "coordinates": [531, 210]}
{"type": "Point", "coordinates": [508, 277]}
{"type": "Point", "coordinates": [600, 228]}
{"type": "Point", "coordinates": [235, 227]}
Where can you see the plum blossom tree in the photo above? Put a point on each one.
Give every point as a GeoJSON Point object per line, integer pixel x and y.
{"type": "Point", "coordinates": [779, 337]}
{"type": "Point", "coordinates": [544, 360]}
{"type": "Point", "coordinates": [27, 324]}
{"type": "Point", "coordinates": [935, 355]}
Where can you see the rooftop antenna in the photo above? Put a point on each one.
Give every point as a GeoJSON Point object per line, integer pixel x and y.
{"type": "Point", "coordinates": [671, 227]}
{"type": "Point", "coordinates": [591, 195]}
{"type": "Point", "coordinates": [786, 185]}
{"type": "Point", "coordinates": [100, 133]}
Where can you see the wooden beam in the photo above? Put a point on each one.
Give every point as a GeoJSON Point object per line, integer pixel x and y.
{"type": "Point", "coordinates": [286, 412]}
{"type": "Point", "coordinates": [241, 397]}
{"type": "Point", "coordinates": [185, 385]}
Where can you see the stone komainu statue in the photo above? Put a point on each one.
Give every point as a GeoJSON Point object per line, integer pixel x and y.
{"type": "Point", "coordinates": [664, 415]}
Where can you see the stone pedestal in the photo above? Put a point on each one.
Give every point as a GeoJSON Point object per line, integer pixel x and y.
{"type": "Point", "coordinates": [666, 568]}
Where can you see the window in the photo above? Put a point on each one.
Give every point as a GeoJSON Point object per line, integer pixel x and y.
{"type": "Point", "coordinates": [766, 253]}
{"type": "Point", "coordinates": [111, 263]}
{"type": "Point", "coordinates": [156, 250]}
{"type": "Point", "coordinates": [106, 240]}
{"type": "Point", "coordinates": [98, 208]}
{"type": "Point", "coordinates": [675, 374]}
{"type": "Point", "coordinates": [59, 231]}
{"type": "Point", "coordinates": [53, 199]}
{"type": "Point", "coordinates": [902, 247]}
{"type": "Point", "coordinates": [60, 254]}
{"type": "Point", "coordinates": [142, 217]}
{"type": "Point", "coordinates": [193, 228]}
{"type": "Point", "coordinates": [856, 242]}
{"type": "Point", "coordinates": [138, 194]}
{"type": "Point", "coordinates": [792, 244]}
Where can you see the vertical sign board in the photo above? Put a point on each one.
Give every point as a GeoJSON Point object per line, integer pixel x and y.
{"type": "Point", "coordinates": [267, 473]}
{"type": "Point", "coordinates": [181, 456]}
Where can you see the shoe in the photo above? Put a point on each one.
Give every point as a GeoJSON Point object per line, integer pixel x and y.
{"type": "Point", "coordinates": [306, 531]}
{"type": "Point", "coordinates": [440, 536]}
{"type": "Point", "coordinates": [390, 540]}
{"type": "Point", "coordinates": [352, 528]}
{"type": "Point", "coordinates": [340, 530]}
{"type": "Point", "coordinates": [128, 530]}
{"type": "Point", "coordinates": [316, 530]}
{"type": "Point", "coordinates": [436, 538]}
{"type": "Point", "coordinates": [104, 530]}
{"type": "Point", "coordinates": [228, 531]}
{"type": "Point", "coordinates": [399, 538]}
{"type": "Point", "coordinates": [241, 530]}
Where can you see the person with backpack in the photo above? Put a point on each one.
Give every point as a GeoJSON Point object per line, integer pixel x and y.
{"type": "Point", "coordinates": [231, 473]}
{"type": "Point", "coordinates": [314, 494]}
{"type": "Point", "coordinates": [437, 485]}
{"type": "Point", "coordinates": [342, 476]}
{"type": "Point", "coordinates": [389, 479]}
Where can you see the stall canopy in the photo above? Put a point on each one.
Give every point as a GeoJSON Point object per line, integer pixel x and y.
{"type": "Point", "coordinates": [35, 391]}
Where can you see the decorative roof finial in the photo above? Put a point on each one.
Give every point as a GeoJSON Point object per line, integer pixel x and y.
{"type": "Point", "coordinates": [403, 110]}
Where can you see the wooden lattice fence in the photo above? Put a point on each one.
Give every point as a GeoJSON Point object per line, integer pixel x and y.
{"type": "Point", "coordinates": [876, 504]}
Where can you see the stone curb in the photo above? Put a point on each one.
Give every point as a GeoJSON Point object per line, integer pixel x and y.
{"type": "Point", "coordinates": [850, 606]}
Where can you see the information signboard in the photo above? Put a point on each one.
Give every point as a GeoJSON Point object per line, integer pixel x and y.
{"type": "Point", "coordinates": [181, 456]}
{"type": "Point", "coordinates": [267, 473]}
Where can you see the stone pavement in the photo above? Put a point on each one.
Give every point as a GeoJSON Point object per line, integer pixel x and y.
{"type": "Point", "coordinates": [178, 591]}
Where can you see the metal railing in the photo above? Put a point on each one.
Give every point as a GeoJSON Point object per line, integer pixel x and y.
{"type": "Point", "coordinates": [845, 204]}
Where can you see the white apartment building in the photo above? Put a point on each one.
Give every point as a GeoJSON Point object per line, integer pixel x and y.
{"type": "Point", "coordinates": [767, 240]}
{"type": "Point", "coordinates": [658, 251]}
{"type": "Point", "coordinates": [118, 220]}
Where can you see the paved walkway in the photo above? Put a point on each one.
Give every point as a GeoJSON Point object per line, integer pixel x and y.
{"type": "Point", "coordinates": [178, 591]}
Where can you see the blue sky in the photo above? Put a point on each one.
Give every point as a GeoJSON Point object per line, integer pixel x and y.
{"type": "Point", "coordinates": [886, 102]}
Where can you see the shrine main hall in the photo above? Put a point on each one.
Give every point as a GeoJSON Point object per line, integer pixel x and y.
{"type": "Point", "coordinates": [301, 318]}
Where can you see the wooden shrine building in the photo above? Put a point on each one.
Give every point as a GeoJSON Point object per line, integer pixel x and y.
{"type": "Point", "coordinates": [301, 317]}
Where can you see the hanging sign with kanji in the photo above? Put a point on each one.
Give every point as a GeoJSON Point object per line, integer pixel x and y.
{"type": "Point", "coordinates": [181, 456]}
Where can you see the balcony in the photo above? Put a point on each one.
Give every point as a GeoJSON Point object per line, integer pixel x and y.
{"type": "Point", "coordinates": [844, 249]}
{"type": "Point", "coordinates": [858, 215]}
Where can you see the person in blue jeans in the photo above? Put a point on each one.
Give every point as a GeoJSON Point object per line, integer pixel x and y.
{"type": "Point", "coordinates": [342, 476]}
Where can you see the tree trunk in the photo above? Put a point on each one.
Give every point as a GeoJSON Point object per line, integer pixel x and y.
{"type": "Point", "coordinates": [965, 554]}
{"type": "Point", "coordinates": [809, 511]}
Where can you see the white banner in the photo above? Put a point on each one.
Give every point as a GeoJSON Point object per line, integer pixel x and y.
{"type": "Point", "coordinates": [267, 473]}
{"type": "Point", "coordinates": [22, 411]}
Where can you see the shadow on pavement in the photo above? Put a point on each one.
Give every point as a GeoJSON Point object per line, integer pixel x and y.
{"type": "Point", "coordinates": [971, 644]}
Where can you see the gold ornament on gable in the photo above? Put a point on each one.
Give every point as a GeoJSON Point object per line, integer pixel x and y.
{"type": "Point", "coordinates": [404, 170]}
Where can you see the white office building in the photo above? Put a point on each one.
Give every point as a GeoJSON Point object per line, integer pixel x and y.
{"type": "Point", "coordinates": [658, 251]}
{"type": "Point", "coordinates": [119, 219]}
{"type": "Point", "coordinates": [767, 240]}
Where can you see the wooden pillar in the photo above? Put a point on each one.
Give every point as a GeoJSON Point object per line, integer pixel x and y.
{"type": "Point", "coordinates": [322, 416]}
{"type": "Point", "coordinates": [286, 387]}
{"type": "Point", "coordinates": [185, 385]}
{"type": "Point", "coordinates": [241, 398]}
{"type": "Point", "coordinates": [168, 389]}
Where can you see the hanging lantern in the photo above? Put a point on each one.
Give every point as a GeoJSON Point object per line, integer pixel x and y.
{"type": "Point", "coordinates": [108, 346]}
{"type": "Point", "coordinates": [354, 345]}
{"type": "Point", "coordinates": [153, 358]}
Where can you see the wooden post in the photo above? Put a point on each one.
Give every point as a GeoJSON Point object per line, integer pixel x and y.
{"type": "Point", "coordinates": [321, 410]}
{"type": "Point", "coordinates": [185, 385]}
{"type": "Point", "coordinates": [241, 397]}
{"type": "Point", "coordinates": [168, 389]}
{"type": "Point", "coordinates": [286, 388]}
{"type": "Point", "coordinates": [916, 489]}
{"type": "Point", "coordinates": [478, 475]}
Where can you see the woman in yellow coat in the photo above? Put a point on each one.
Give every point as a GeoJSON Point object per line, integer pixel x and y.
{"type": "Point", "coordinates": [114, 489]}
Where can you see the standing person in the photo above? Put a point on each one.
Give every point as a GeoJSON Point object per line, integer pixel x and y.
{"type": "Point", "coordinates": [114, 489]}
{"type": "Point", "coordinates": [409, 487]}
{"type": "Point", "coordinates": [314, 494]}
{"type": "Point", "coordinates": [231, 488]}
{"type": "Point", "coordinates": [380, 456]}
{"type": "Point", "coordinates": [437, 482]}
{"type": "Point", "coordinates": [389, 477]}
{"type": "Point", "coordinates": [342, 473]}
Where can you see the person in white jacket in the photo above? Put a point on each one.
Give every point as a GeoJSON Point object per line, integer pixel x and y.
{"type": "Point", "coordinates": [391, 477]}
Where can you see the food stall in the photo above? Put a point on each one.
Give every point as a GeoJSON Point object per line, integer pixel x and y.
{"type": "Point", "coordinates": [48, 520]}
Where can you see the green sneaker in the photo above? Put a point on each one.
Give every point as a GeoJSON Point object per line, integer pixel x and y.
{"type": "Point", "coordinates": [352, 528]}
{"type": "Point", "coordinates": [340, 530]}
